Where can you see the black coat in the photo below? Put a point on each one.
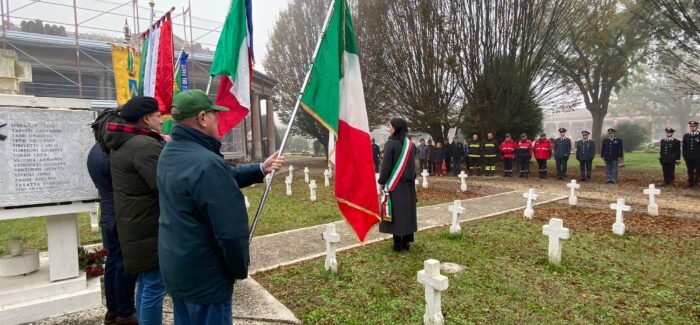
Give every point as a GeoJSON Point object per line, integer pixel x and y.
{"type": "Point", "coordinates": [438, 154]}
{"type": "Point", "coordinates": [403, 197]}
{"type": "Point", "coordinates": [691, 146]}
{"type": "Point", "coordinates": [133, 160]}
{"type": "Point", "coordinates": [585, 150]}
{"type": "Point", "coordinates": [99, 169]}
{"type": "Point", "coordinates": [670, 150]}
{"type": "Point", "coordinates": [612, 149]}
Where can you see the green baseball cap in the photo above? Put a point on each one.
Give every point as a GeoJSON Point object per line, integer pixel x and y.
{"type": "Point", "coordinates": [189, 103]}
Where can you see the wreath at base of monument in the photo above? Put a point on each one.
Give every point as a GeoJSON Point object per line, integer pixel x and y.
{"type": "Point", "coordinates": [92, 262]}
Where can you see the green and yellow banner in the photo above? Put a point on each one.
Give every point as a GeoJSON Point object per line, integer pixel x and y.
{"type": "Point", "coordinates": [125, 62]}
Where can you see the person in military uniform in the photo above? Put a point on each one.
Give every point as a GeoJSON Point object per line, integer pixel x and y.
{"type": "Point", "coordinates": [611, 152]}
{"type": "Point", "coordinates": [474, 156]}
{"type": "Point", "coordinates": [691, 153]}
{"type": "Point", "coordinates": [490, 154]}
{"type": "Point", "coordinates": [585, 152]}
{"type": "Point", "coordinates": [669, 156]}
{"type": "Point", "coordinates": [457, 153]}
{"type": "Point", "coordinates": [375, 155]}
{"type": "Point", "coordinates": [562, 150]}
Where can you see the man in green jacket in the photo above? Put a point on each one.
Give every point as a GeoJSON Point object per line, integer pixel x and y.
{"type": "Point", "coordinates": [203, 233]}
{"type": "Point", "coordinates": [135, 147]}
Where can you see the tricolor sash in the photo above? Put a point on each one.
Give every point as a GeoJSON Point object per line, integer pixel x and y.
{"type": "Point", "coordinates": [386, 210]}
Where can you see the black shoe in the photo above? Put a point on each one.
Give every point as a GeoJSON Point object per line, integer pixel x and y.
{"type": "Point", "coordinates": [396, 248]}
{"type": "Point", "coordinates": [110, 318]}
{"type": "Point", "coordinates": [406, 246]}
{"type": "Point", "coordinates": [582, 180]}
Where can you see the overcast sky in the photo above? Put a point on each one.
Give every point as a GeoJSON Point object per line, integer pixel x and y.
{"type": "Point", "coordinates": [211, 12]}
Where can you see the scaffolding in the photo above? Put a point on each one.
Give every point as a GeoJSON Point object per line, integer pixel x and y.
{"type": "Point", "coordinates": [33, 28]}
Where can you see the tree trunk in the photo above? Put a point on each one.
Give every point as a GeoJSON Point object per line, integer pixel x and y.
{"type": "Point", "coordinates": [436, 133]}
{"type": "Point", "coordinates": [598, 116]}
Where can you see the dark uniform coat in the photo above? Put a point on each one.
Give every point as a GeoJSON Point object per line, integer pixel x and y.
{"type": "Point", "coordinates": [490, 148]}
{"type": "Point", "coordinates": [611, 149]}
{"type": "Point", "coordinates": [691, 146]}
{"type": "Point", "coordinates": [562, 147]}
{"type": "Point", "coordinates": [585, 150]}
{"type": "Point", "coordinates": [403, 196]}
{"type": "Point", "coordinates": [670, 150]}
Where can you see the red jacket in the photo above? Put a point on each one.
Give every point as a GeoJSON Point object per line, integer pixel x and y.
{"type": "Point", "coordinates": [507, 149]}
{"type": "Point", "coordinates": [543, 148]}
{"type": "Point", "coordinates": [524, 148]}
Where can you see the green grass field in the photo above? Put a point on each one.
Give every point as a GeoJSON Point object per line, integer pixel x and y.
{"type": "Point", "coordinates": [638, 161]}
{"type": "Point", "coordinates": [634, 279]}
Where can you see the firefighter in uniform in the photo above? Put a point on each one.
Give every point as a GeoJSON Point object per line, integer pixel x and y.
{"type": "Point", "coordinates": [562, 150]}
{"type": "Point", "coordinates": [474, 156]}
{"type": "Point", "coordinates": [507, 149]}
{"type": "Point", "coordinates": [585, 152]}
{"type": "Point", "coordinates": [543, 151]}
{"type": "Point", "coordinates": [611, 152]}
{"type": "Point", "coordinates": [524, 152]}
{"type": "Point", "coordinates": [669, 156]}
{"type": "Point", "coordinates": [490, 154]}
{"type": "Point", "coordinates": [691, 153]}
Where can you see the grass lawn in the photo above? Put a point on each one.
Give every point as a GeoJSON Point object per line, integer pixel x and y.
{"type": "Point", "coordinates": [646, 276]}
{"type": "Point", "coordinates": [638, 161]}
{"type": "Point", "coordinates": [281, 212]}
{"type": "Point", "coordinates": [33, 232]}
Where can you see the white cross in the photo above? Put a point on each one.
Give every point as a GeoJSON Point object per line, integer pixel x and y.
{"type": "Point", "coordinates": [530, 195]}
{"type": "Point", "coordinates": [425, 178]}
{"type": "Point", "coordinates": [312, 187]}
{"type": "Point", "coordinates": [652, 208]}
{"type": "Point", "coordinates": [247, 203]}
{"type": "Point", "coordinates": [463, 177]}
{"type": "Point", "coordinates": [618, 227]}
{"type": "Point", "coordinates": [94, 221]}
{"type": "Point", "coordinates": [291, 172]}
{"type": "Point", "coordinates": [573, 200]}
{"type": "Point", "coordinates": [376, 182]}
{"type": "Point", "coordinates": [327, 175]}
{"type": "Point", "coordinates": [556, 232]}
{"type": "Point", "coordinates": [435, 284]}
{"type": "Point", "coordinates": [288, 182]}
{"type": "Point", "coordinates": [331, 237]}
{"type": "Point", "coordinates": [456, 210]}
{"type": "Point", "coordinates": [306, 174]}
{"type": "Point", "coordinates": [417, 182]}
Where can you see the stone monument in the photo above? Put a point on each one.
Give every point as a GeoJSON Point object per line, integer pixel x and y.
{"type": "Point", "coordinates": [288, 182]}
{"type": "Point", "coordinates": [312, 188]}
{"type": "Point", "coordinates": [556, 232]}
{"type": "Point", "coordinates": [291, 172]}
{"type": "Point", "coordinates": [44, 148]}
{"type": "Point", "coordinates": [12, 72]}
{"type": "Point", "coordinates": [327, 176]}
{"type": "Point", "coordinates": [435, 284]}
{"type": "Point", "coordinates": [306, 174]}
{"type": "Point", "coordinates": [247, 203]}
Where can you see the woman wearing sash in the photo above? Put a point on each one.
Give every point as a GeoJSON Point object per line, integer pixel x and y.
{"type": "Point", "coordinates": [397, 177]}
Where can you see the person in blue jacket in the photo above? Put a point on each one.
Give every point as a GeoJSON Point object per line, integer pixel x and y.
{"type": "Point", "coordinates": [611, 151]}
{"type": "Point", "coordinates": [203, 226]}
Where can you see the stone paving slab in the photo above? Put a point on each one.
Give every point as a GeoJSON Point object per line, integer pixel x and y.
{"type": "Point", "coordinates": [290, 247]}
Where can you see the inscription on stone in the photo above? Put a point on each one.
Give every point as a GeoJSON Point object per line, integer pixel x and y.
{"type": "Point", "coordinates": [44, 155]}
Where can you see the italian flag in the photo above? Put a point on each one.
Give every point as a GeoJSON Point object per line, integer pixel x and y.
{"type": "Point", "coordinates": [334, 96]}
{"type": "Point", "coordinates": [156, 66]}
{"type": "Point", "coordinates": [233, 62]}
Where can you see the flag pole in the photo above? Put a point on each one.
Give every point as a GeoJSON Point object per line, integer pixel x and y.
{"type": "Point", "coordinates": [230, 3]}
{"type": "Point", "coordinates": [291, 119]}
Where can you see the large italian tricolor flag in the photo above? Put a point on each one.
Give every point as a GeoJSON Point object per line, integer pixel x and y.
{"type": "Point", "coordinates": [233, 62]}
{"type": "Point", "coordinates": [334, 96]}
{"type": "Point", "coordinates": [156, 67]}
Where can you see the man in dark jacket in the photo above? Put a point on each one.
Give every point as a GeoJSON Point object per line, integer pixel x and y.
{"type": "Point", "coordinates": [135, 147]}
{"type": "Point", "coordinates": [457, 153]}
{"type": "Point", "coordinates": [691, 153]}
{"type": "Point", "coordinates": [562, 150]}
{"type": "Point", "coordinates": [669, 156]}
{"type": "Point", "coordinates": [611, 152]}
{"type": "Point", "coordinates": [375, 155]}
{"type": "Point", "coordinates": [203, 234]}
{"type": "Point", "coordinates": [422, 155]}
{"type": "Point", "coordinates": [585, 152]}
{"type": "Point", "coordinates": [119, 287]}
{"type": "Point", "coordinates": [447, 148]}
